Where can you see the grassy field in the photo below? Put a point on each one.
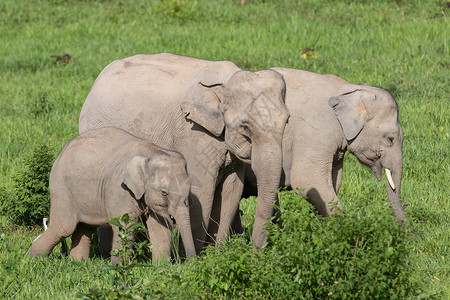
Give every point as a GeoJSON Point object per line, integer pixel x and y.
{"type": "Point", "coordinates": [402, 46]}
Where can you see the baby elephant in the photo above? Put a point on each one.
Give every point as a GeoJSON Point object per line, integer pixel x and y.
{"type": "Point", "coordinates": [106, 173]}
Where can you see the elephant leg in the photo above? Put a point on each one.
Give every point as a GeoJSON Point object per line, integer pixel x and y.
{"type": "Point", "coordinates": [277, 214]}
{"type": "Point", "coordinates": [236, 225]}
{"type": "Point", "coordinates": [201, 203]}
{"type": "Point", "coordinates": [214, 219]}
{"type": "Point", "coordinates": [338, 165]}
{"type": "Point", "coordinates": [230, 196]}
{"type": "Point", "coordinates": [315, 183]}
{"type": "Point", "coordinates": [61, 226]}
{"type": "Point", "coordinates": [105, 234]}
{"type": "Point", "coordinates": [115, 244]}
{"type": "Point", "coordinates": [63, 222]}
{"type": "Point", "coordinates": [81, 241]}
{"type": "Point", "coordinates": [160, 237]}
{"type": "Point", "coordinates": [46, 242]}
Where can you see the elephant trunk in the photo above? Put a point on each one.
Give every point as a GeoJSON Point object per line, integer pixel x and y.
{"type": "Point", "coordinates": [393, 187]}
{"type": "Point", "coordinates": [182, 218]}
{"type": "Point", "coordinates": [392, 161]}
{"type": "Point", "coordinates": [267, 166]}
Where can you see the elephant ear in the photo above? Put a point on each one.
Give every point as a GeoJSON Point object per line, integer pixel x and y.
{"type": "Point", "coordinates": [350, 111]}
{"type": "Point", "coordinates": [133, 176]}
{"type": "Point", "coordinates": [202, 101]}
{"type": "Point", "coordinates": [202, 106]}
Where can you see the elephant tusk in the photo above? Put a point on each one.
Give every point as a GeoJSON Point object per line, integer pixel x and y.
{"type": "Point", "coordinates": [389, 178]}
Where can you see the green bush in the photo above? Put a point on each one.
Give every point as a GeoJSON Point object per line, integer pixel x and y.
{"type": "Point", "coordinates": [346, 257]}
{"type": "Point", "coordinates": [31, 200]}
{"type": "Point", "coordinates": [4, 200]}
{"type": "Point", "coordinates": [312, 257]}
{"type": "Point", "coordinates": [230, 270]}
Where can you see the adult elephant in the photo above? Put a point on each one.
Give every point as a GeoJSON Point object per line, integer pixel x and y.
{"type": "Point", "coordinates": [215, 114]}
{"type": "Point", "coordinates": [330, 116]}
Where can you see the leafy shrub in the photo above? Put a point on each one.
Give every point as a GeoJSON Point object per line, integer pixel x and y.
{"type": "Point", "coordinates": [4, 200]}
{"type": "Point", "coordinates": [31, 199]}
{"type": "Point", "coordinates": [311, 257]}
{"type": "Point", "coordinates": [346, 257]}
{"type": "Point", "coordinates": [128, 228]}
{"type": "Point", "coordinates": [229, 270]}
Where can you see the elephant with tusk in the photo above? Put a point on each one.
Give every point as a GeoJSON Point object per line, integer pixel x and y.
{"type": "Point", "coordinates": [330, 116]}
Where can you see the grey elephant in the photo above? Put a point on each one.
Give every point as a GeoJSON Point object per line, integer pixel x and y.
{"type": "Point", "coordinates": [330, 116]}
{"type": "Point", "coordinates": [106, 173]}
{"type": "Point", "coordinates": [217, 115]}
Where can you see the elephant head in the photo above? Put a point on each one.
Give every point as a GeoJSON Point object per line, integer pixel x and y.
{"type": "Point", "coordinates": [249, 113]}
{"type": "Point", "coordinates": [369, 119]}
{"type": "Point", "coordinates": [164, 184]}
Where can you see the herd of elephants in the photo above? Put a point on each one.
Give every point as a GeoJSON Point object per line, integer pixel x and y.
{"type": "Point", "coordinates": [167, 136]}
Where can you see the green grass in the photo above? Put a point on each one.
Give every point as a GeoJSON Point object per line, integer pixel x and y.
{"type": "Point", "coordinates": [397, 45]}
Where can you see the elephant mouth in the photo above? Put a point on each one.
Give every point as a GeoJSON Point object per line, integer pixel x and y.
{"type": "Point", "coordinates": [164, 218]}
{"type": "Point", "coordinates": [377, 170]}
{"type": "Point", "coordinates": [245, 160]}
{"type": "Point", "coordinates": [241, 147]}
{"type": "Point", "coordinates": [170, 221]}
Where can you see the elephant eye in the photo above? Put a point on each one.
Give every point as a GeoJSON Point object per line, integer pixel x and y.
{"type": "Point", "coordinates": [388, 139]}
{"type": "Point", "coordinates": [164, 192]}
{"type": "Point", "coordinates": [245, 128]}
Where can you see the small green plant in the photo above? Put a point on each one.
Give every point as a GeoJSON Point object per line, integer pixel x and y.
{"type": "Point", "coordinates": [31, 200]}
{"type": "Point", "coordinates": [180, 9]}
{"type": "Point", "coordinates": [130, 251]}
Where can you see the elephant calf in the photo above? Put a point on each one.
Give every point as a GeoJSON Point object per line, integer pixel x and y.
{"type": "Point", "coordinates": [106, 173]}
